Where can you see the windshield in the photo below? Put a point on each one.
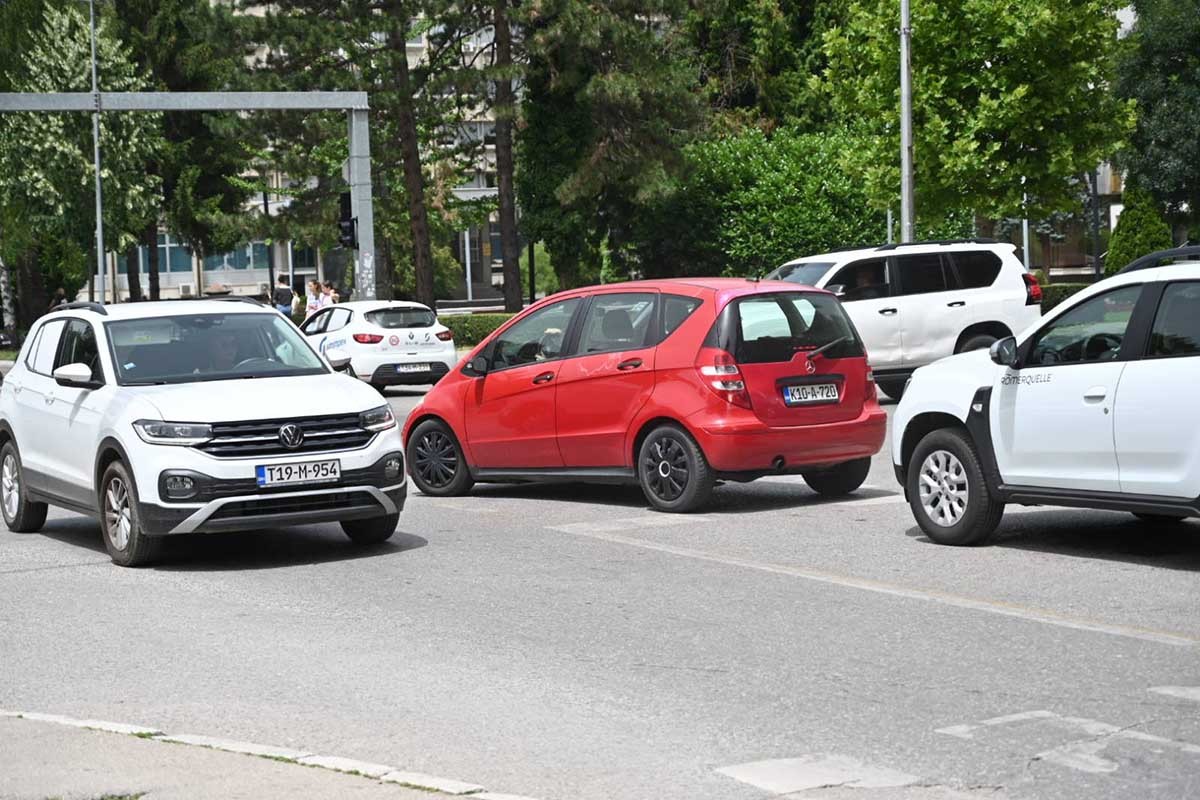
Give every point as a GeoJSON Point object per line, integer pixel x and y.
{"type": "Point", "coordinates": [208, 347]}
{"type": "Point", "coordinates": [402, 318]}
{"type": "Point", "coordinates": [805, 272]}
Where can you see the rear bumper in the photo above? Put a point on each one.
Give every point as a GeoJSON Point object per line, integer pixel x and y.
{"type": "Point", "coordinates": [747, 445]}
{"type": "Point", "coordinates": [386, 375]}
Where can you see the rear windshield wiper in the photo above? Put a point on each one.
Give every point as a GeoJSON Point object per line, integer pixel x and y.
{"type": "Point", "coordinates": [826, 346]}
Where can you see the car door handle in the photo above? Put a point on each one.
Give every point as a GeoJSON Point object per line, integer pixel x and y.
{"type": "Point", "coordinates": [957, 304]}
{"type": "Point", "coordinates": [545, 377]}
{"type": "Point", "coordinates": [631, 363]}
{"type": "Point", "coordinates": [887, 312]}
{"type": "Point", "coordinates": [1095, 394]}
{"type": "Point", "coordinates": [49, 399]}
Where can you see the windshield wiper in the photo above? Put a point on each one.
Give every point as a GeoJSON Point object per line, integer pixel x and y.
{"type": "Point", "coordinates": [145, 383]}
{"type": "Point", "coordinates": [826, 346]}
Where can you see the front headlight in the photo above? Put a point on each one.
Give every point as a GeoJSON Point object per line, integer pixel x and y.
{"type": "Point", "coordinates": [377, 419]}
{"type": "Point", "coordinates": [181, 433]}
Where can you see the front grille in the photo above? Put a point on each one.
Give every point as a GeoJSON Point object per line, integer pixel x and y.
{"type": "Point", "coordinates": [268, 506]}
{"type": "Point", "coordinates": [261, 437]}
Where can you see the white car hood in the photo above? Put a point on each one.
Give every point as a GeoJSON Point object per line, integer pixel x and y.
{"type": "Point", "coordinates": [260, 398]}
{"type": "Point", "coordinates": [974, 363]}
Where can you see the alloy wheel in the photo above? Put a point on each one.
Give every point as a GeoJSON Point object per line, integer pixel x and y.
{"type": "Point", "coordinates": [117, 513]}
{"type": "Point", "coordinates": [943, 488]}
{"type": "Point", "coordinates": [435, 459]}
{"type": "Point", "coordinates": [665, 468]}
{"type": "Point", "coordinates": [10, 486]}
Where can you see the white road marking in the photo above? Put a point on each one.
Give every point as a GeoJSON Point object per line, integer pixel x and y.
{"type": "Point", "coordinates": [1184, 692]}
{"type": "Point", "coordinates": [233, 746]}
{"type": "Point", "coordinates": [967, 731]}
{"type": "Point", "coordinates": [347, 765]}
{"type": "Point", "coordinates": [787, 775]}
{"type": "Point", "coordinates": [601, 531]}
{"type": "Point", "coordinates": [432, 782]}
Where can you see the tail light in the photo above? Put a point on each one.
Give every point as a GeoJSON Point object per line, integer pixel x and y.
{"type": "Point", "coordinates": [721, 374]}
{"type": "Point", "coordinates": [446, 335]}
{"type": "Point", "coordinates": [1033, 290]}
{"type": "Point", "coordinates": [870, 393]}
{"type": "Point", "coordinates": [368, 338]}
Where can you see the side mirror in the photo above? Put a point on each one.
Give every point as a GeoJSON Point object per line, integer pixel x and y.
{"type": "Point", "coordinates": [837, 288]}
{"type": "Point", "coordinates": [1004, 352]}
{"type": "Point", "coordinates": [338, 359]}
{"type": "Point", "coordinates": [477, 367]}
{"type": "Point", "coordinates": [77, 375]}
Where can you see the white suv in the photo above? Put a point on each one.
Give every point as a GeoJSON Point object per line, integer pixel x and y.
{"type": "Point", "coordinates": [1093, 407]}
{"type": "Point", "coordinates": [915, 303]}
{"type": "Point", "coordinates": [191, 416]}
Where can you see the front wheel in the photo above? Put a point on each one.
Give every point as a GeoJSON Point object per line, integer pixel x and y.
{"type": "Point", "coordinates": [839, 480]}
{"type": "Point", "coordinates": [126, 542]}
{"type": "Point", "coordinates": [947, 490]}
{"type": "Point", "coordinates": [436, 462]}
{"type": "Point", "coordinates": [371, 531]}
{"type": "Point", "coordinates": [892, 387]}
{"type": "Point", "coordinates": [980, 341]}
{"type": "Point", "coordinates": [673, 472]}
{"type": "Point", "coordinates": [21, 515]}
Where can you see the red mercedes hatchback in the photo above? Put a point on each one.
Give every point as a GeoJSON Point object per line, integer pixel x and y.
{"type": "Point", "coordinates": [671, 384]}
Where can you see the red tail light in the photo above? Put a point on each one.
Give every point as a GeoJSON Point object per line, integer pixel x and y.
{"type": "Point", "coordinates": [720, 373]}
{"type": "Point", "coordinates": [1033, 290]}
{"type": "Point", "coordinates": [368, 338]}
{"type": "Point", "coordinates": [446, 336]}
{"type": "Point", "coordinates": [870, 393]}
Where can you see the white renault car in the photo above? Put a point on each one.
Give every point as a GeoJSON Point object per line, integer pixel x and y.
{"type": "Point", "coordinates": [191, 417]}
{"type": "Point", "coordinates": [390, 343]}
{"type": "Point", "coordinates": [915, 303]}
{"type": "Point", "coordinates": [1093, 407]}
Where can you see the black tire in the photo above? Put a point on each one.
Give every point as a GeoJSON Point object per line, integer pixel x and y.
{"type": "Point", "coordinates": [21, 514]}
{"type": "Point", "coordinates": [120, 523]}
{"type": "Point", "coordinates": [379, 387]}
{"type": "Point", "coordinates": [436, 462]}
{"type": "Point", "coordinates": [839, 480]}
{"type": "Point", "coordinates": [892, 387]}
{"type": "Point", "coordinates": [979, 341]}
{"type": "Point", "coordinates": [371, 531]}
{"type": "Point", "coordinates": [688, 484]}
{"type": "Point", "coordinates": [1161, 519]}
{"type": "Point", "coordinates": [969, 522]}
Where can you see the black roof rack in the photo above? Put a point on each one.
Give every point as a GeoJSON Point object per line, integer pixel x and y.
{"type": "Point", "coordinates": [978, 240]}
{"type": "Point", "coordinates": [1157, 258]}
{"type": "Point", "coordinates": [82, 305]}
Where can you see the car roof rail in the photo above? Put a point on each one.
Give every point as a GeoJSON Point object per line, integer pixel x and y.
{"type": "Point", "coordinates": [1156, 259]}
{"type": "Point", "coordinates": [82, 305]}
{"type": "Point", "coordinates": [976, 240]}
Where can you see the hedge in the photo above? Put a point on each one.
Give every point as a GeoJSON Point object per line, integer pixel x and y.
{"type": "Point", "coordinates": [470, 329]}
{"type": "Point", "coordinates": [1055, 293]}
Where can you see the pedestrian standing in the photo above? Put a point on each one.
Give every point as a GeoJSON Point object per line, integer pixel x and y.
{"type": "Point", "coordinates": [283, 297]}
{"type": "Point", "coordinates": [59, 299]}
{"type": "Point", "coordinates": [313, 299]}
{"type": "Point", "coordinates": [332, 293]}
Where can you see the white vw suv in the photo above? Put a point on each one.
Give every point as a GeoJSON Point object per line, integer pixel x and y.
{"type": "Point", "coordinates": [1093, 407]}
{"type": "Point", "coordinates": [191, 416]}
{"type": "Point", "coordinates": [915, 303]}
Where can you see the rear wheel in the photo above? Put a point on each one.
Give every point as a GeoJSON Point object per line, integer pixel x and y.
{"type": "Point", "coordinates": [892, 387]}
{"type": "Point", "coordinates": [436, 462]}
{"type": "Point", "coordinates": [371, 531]}
{"type": "Point", "coordinates": [947, 491]}
{"type": "Point", "coordinates": [840, 480]}
{"type": "Point", "coordinates": [979, 341]}
{"type": "Point", "coordinates": [672, 470]}
{"type": "Point", "coordinates": [126, 542]}
{"type": "Point", "coordinates": [21, 515]}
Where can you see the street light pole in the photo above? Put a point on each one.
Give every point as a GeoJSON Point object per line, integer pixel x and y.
{"type": "Point", "coordinates": [100, 266]}
{"type": "Point", "coordinates": [906, 146]}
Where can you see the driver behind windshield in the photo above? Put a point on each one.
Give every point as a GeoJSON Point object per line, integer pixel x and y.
{"type": "Point", "coordinates": [222, 351]}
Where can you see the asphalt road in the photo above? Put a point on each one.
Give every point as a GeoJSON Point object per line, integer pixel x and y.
{"type": "Point", "coordinates": [566, 643]}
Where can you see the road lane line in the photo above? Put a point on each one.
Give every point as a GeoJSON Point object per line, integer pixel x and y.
{"type": "Point", "coordinates": [1000, 608]}
{"type": "Point", "coordinates": [1182, 692]}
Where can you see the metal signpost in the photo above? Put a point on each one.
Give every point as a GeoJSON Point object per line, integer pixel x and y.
{"type": "Point", "coordinates": [353, 103]}
{"type": "Point", "coordinates": [906, 145]}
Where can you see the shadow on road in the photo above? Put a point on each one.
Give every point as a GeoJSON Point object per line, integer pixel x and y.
{"type": "Point", "coordinates": [1098, 535]}
{"type": "Point", "coordinates": [250, 550]}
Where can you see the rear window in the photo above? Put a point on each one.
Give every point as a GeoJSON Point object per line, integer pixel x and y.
{"type": "Point", "coordinates": [976, 270]}
{"type": "Point", "coordinates": [772, 327]}
{"type": "Point", "coordinates": [402, 318]}
{"type": "Point", "coordinates": [806, 272]}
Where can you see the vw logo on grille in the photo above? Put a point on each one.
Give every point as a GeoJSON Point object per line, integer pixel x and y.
{"type": "Point", "coordinates": [291, 436]}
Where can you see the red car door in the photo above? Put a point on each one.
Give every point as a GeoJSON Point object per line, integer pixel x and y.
{"type": "Point", "coordinates": [608, 380]}
{"type": "Point", "coordinates": [510, 411]}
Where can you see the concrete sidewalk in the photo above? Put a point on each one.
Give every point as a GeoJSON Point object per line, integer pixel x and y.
{"type": "Point", "coordinates": [40, 760]}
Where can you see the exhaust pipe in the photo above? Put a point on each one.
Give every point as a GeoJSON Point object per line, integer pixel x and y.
{"type": "Point", "coordinates": [777, 463]}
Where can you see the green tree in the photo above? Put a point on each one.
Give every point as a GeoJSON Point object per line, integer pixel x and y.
{"type": "Point", "coordinates": [1159, 69]}
{"type": "Point", "coordinates": [1009, 97]}
{"type": "Point", "coordinates": [1140, 230]}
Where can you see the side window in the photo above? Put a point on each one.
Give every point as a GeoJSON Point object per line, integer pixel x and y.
{"type": "Point", "coordinates": [1176, 330]}
{"type": "Point", "coordinates": [976, 270]}
{"type": "Point", "coordinates": [1092, 331]}
{"type": "Point", "coordinates": [923, 273]}
{"type": "Point", "coordinates": [31, 348]}
{"type": "Point", "coordinates": [316, 323]}
{"type": "Point", "coordinates": [862, 280]}
{"type": "Point", "coordinates": [541, 336]}
{"type": "Point", "coordinates": [47, 347]}
{"type": "Point", "coordinates": [338, 318]}
{"type": "Point", "coordinates": [617, 322]}
{"type": "Point", "coordinates": [675, 310]}
{"type": "Point", "coordinates": [79, 347]}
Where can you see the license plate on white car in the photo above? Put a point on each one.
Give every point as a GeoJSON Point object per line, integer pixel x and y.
{"type": "Point", "coordinates": [809, 394]}
{"type": "Point", "coordinates": [299, 472]}
{"type": "Point", "coordinates": [412, 368]}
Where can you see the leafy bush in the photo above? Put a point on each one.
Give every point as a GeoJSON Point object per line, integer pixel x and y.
{"type": "Point", "coordinates": [471, 329]}
{"type": "Point", "coordinates": [1055, 293]}
{"type": "Point", "coordinates": [1140, 229]}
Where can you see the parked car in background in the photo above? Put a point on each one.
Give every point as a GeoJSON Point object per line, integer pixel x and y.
{"type": "Point", "coordinates": [915, 303]}
{"type": "Point", "coordinates": [1092, 407]}
{"type": "Point", "coordinates": [193, 416]}
{"type": "Point", "coordinates": [390, 343]}
{"type": "Point", "coordinates": [670, 384]}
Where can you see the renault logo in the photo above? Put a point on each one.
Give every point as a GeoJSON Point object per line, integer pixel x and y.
{"type": "Point", "coordinates": [291, 436]}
